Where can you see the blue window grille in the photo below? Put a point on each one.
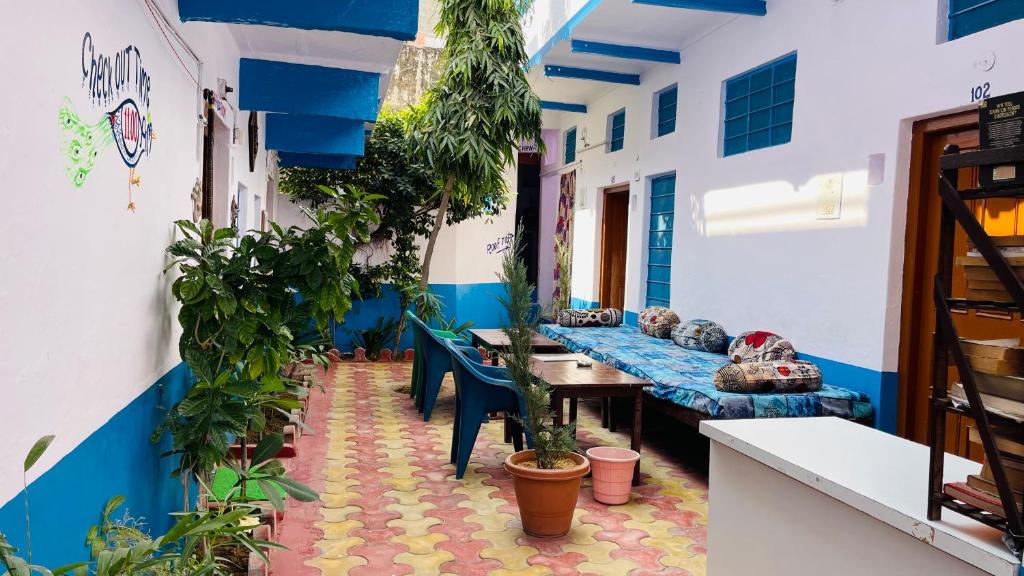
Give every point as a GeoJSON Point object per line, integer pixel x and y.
{"type": "Point", "coordinates": [659, 240]}
{"type": "Point", "coordinates": [570, 145]}
{"type": "Point", "coordinates": [759, 107]}
{"type": "Point", "coordinates": [617, 130]}
{"type": "Point", "coordinates": [666, 120]}
{"type": "Point", "coordinates": [970, 16]}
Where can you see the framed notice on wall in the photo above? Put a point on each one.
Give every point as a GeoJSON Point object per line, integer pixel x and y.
{"type": "Point", "coordinates": [1001, 120]}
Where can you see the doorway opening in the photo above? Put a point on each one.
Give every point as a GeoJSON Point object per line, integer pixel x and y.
{"type": "Point", "coordinates": [528, 211]}
{"type": "Point", "coordinates": [999, 217]}
{"type": "Point", "coordinates": [614, 235]}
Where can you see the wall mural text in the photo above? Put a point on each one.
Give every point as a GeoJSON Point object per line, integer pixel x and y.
{"type": "Point", "coordinates": [118, 86]}
{"type": "Point", "coordinates": [500, 245]}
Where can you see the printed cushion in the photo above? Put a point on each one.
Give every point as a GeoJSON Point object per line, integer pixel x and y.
{"type": "Point", "coordinates": [595, 317]}
{"type": "Point", "coordinates": [658, 321]}
{"type": "Point", "coordinates": [752, 377]}
{"type": "Point", "coordinates": [759, 346]}
{"type": "Point", "coordinates": [703, 335]}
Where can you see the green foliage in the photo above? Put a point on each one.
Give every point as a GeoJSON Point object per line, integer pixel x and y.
{"type": "Point", "coordinates": [550, 442]}
{"type": "Point", "coordinates": [123, 547]}
{"type": "Point", "coordinates": [482, 106]}
{"type": "Point", "coordinates": [390, 169]}
{"type": "Point", "coordinates": [376, 338]}
{"type": "Point", "coordinates": [267, 472]}
{"type": "Point", "coordinates": [242, 318]}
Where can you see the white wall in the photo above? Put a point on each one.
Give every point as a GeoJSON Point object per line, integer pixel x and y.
{"type": "Point", "coordinates": [748, 250]}
{"type": "Point", "coordinates": [85, 309]}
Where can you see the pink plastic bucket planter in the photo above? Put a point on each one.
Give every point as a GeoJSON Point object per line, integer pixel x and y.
{"type": "Point", "coordinates": [612, 470]}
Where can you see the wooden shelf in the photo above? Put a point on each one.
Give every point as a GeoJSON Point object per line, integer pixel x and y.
{"type": "Point", "coordinates": [977, 158]}
{"type": "Point", "coordinates": [965, 304]}
{"type": "Point", "coordinates": [948, 348]}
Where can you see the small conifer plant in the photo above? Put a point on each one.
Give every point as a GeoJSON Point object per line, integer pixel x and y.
{"type": "Point", "coordinates": [551, 443]}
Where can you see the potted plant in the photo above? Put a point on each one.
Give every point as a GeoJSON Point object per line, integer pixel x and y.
{"type": "Point", "coordinates": [547, 478]}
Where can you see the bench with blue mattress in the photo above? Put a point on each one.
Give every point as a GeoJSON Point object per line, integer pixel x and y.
{"type": "Point", "coordinates": [683, 379]}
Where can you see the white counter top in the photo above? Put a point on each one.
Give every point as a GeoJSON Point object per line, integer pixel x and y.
{"type": "Point", "coordinates": [879, 474]}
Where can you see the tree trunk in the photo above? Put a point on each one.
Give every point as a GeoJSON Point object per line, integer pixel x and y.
{"type": "Point", "coordinates": [438, 222]}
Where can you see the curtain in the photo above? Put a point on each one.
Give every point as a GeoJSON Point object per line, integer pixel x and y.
{"type": "Point", "coordinates": [563, 235]}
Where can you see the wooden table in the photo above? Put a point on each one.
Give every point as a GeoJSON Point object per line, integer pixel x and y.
{"type": "Point", "coordinates": [496, 340]}
{"type": "Point", "coordinates": [567, 380]}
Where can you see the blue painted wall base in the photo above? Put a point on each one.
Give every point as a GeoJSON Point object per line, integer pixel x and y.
{"type": "Point", "coordinates": [477, 303]}
{"type": "Point", "coordinates": [116, 459]}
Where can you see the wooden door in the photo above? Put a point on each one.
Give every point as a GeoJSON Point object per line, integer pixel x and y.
{"type": "Point", "coordinates": [613, 248]}
{"type": "Point", "coordinates": [1000, 217]}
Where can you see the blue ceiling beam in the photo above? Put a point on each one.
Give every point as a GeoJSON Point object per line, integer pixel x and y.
{"type": "Point", "coordinates": [622, 51]}
{"type": "Point", "coordinates": [390, 18]}
{"type": "Point", "coordinates": [315, 134]}
{"type": "Point", "coordinates": [563, 106]}
{"type": "Point", "coordinates": [563, 32]}
{"type": "Point", "coordinates": [750, 7]}
{"type": "Point", "coordinates": [298, 160]}
{"type": "Point", "coordinates": [588, 74]}
{"type": "Point", "coordinates": [272, 86]}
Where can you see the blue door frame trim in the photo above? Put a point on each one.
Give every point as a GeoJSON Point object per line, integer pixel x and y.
{"type": "Point", "coordinates": [271, 86]}
{"type": "Point", "coordinates": [750, 7]}
{"type": "Point", "coordinates": [297, 159]}
{"type": "Point", "coordinates": [623, 51]}
{"type": "Point", "coordinates": [553, 71]}
{"type": "Point", "coordinates": [398, 19]}
{"type": "Point", "coordinates": [563, 106]}
{"type": "Point", "coordinates": [315, 134]}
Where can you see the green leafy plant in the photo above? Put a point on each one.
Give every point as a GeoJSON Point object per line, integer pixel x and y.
{"type": "Point", "coordinates": [123, 547]}
{"type": "Point", "coordinates": [194, 545]}
{"type": "Point", "coordinates": [376, 338]}
{"type": "Point", "coordinates": [550, 442]}
{"type": "Point", "coordinates": [481, 108]}
{"type": "Point", "coordinates": [13, 564]}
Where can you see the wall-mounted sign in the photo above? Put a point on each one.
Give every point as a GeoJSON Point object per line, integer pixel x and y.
{"type": "Point", "coordinates": [1001, 120]}
{"type": "Point", "coordinates": [117, 87]}
{"type": "Point", "coordinates": [528, 148]}
{"type": "Point", "coordinates": [830, 197]}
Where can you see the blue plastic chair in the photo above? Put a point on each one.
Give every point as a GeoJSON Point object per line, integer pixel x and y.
{"type": "Point", "coordinates": [432, 361]}
{"type": "Point", "coordinates": [479, 390]}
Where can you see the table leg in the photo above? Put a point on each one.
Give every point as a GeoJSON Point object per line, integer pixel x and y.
{"type": "Point", "coordinates": [508, 428]}
{"type": "Point", "coordinates": [636, 437]}
{"type": "Point", "coordinates": [611, 415]}
{"type": "Point", "coordinates": [606, 408]}
{"type": "Point", "coordinates": [558, 407]}
{"type": "Point", "coordinates": [573, 407]}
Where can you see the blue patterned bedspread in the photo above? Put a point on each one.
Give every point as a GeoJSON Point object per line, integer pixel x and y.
{"type": "Point", "coordinates": [685, 377]}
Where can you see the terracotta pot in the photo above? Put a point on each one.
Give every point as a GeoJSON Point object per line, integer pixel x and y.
{"type": "Point", "coordinates": [546, 498]}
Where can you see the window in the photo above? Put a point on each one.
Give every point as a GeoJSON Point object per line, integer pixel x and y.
{"type": "Point", "coordinates": [759, 107]}
{"type": "Point", "coordinates": [616, 130]}
{"type": "Point", "coordinates": [665, 111]}
{"type": "Point", "coordinates": [970, 16]}
{"type": "Point", "coordinates": [570, 145]}
{"type": "Point", "coordinates": [659, 240]}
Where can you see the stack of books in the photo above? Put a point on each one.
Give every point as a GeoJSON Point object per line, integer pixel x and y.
{"type": "Point", "coordinates": [982, 283]}
{"type": "Point", "coordinates": [980, 489]}
{"type": "Point", "coordinates": [998, 370]}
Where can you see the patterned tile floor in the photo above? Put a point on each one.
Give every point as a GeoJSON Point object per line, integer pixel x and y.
{"type": "Point", "coordinates": [390, 503]}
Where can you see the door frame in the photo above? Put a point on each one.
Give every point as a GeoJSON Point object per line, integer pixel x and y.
{"type": "Point", "coordinates": [605, 193]}
{"type": "Point", "coordinates": [920, 133]}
